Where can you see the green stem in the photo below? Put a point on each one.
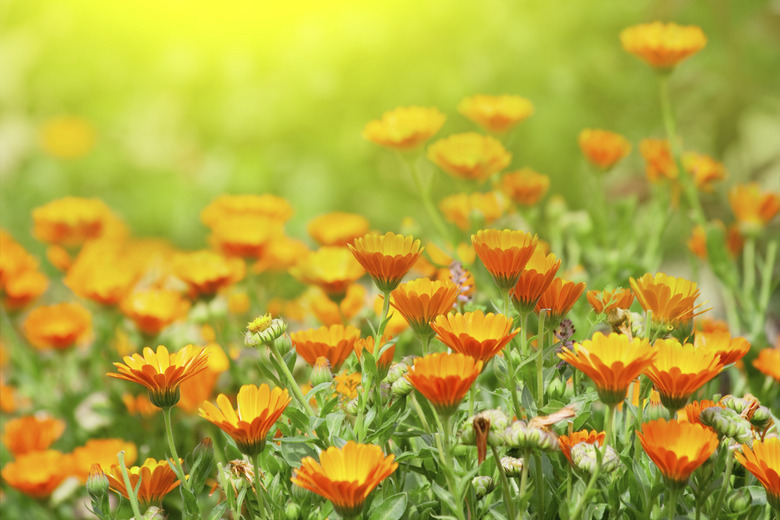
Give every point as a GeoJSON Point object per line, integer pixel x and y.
{"type": "Point", "coordinates": [540, 363]}
{"type": "Point", "coordinates": [671, 504]}
{"type": "Point", "coordinates": [584, 498]}
{"type": "Point", "coordinates": [510, 506]}
{"type": "Point", "coordinates": [447, 462]}
{"type": "Point", "coordinates": [725, 486]}
{"type": "Point", "coordinates": [524, 474]}
{"type": "Point", "coordinates": [426, 342]}
{"type": "Point", "coordinates": [296, 390]}
{"type": "Point", "coordinates": [425, 197]}
{"type": "Point", "coordinates": [259, 487]}
{"type": "Point", "coordinates": [765, 293]}
{"type": "Point", "coordinates": [172, 446]}
{"type": "Point", "coordinates": [749, 270]}
{"type": "Point", "coordinates": [609, 420]}
{"type": "Point", "coordinates": [523, 334]}
{"type": "Point", "coordinates": [131, 496]}
{"type": "Point", "coordinates": [539, 485]}
{"type": "Point", "coordinates": [381, 328]}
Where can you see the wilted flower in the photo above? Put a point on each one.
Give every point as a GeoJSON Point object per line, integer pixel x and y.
{"type": "Point", "coordinates": [663, 45]}
{"type": "Point", "coordinates": [677, 448]}
{"type": "Point", "coordinates": [603, 148]}
{"type": "Point", "coordinates": [525, 187]}
{"type": "Point", "coordinates": [444, 379]}
{"type": "Point", "coordinates": [57, 326]}
{"type": "Point", "coordinates": [337, 228]}
{"type": "Point", "coordinates": [469, 156]}
{"type": "Point", "coordinates": [498, 421]}
{"type": "Point", "coordinates": [404, 128]}
{"type": "Point", "coordinates": [496, 113]}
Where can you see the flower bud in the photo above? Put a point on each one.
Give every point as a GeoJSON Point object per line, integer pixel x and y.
{"type": "Point", "coordinates": [301, 495]}
{"type": "Point", "coordinates": [584, 457]}
{"type": "Point", "coordinates": [498, 423]}
{"type": "Point", "coordinates": [483, 486]}
{"type": "Point", "coordinates": [202, 464]}
{"type": "Point", "coordinates": [727, 423]}
{"type": "Point", "coordinates": [402, 387]}
{"type": "Point", "coordinates": [512, 467]}
{"type": "Point", "coordinates": [734, 403]}
{"type": "Point", "coordinates": [556, 389]}
{"type": "Point", "coordinates": [154, 513]}
{"type": "Point", "coordinates": [292, 511]}
{"type": "Point", "coordinates": [321, 372]}
{"type": "Point", "coordinates": [266, 329]}
{"type": "Point", "coordinates": [351, 408]}
{"type": "Point", "coordinates": [761, 419]}
{"type": "Point", "coordinates": [520, 435]}
{"type": "Point", "coordinates": [251, 339]}
{"type": "Point", "coordinates": [397, 371]}
{"type": "Point", "coordinates": [97, 482]}
{"type": "Point", "coordinates": [739, 501]}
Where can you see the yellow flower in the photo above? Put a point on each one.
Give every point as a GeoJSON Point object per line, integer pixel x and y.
{"type": "Point", "coordinates": [252, 206]}
{"type": "Point", "coordinates": [404, 128]}
{"type": "Point", "coordinates": [496, 113]}
{"type": "Point", "coordinates": [20, 280]}
{"type": "Point", "coordinates": [421, 300]}
{"type": "Point", "coordinates": [152, 310]}
{"type": "Point", "coordinates": [526, 187]}
{"type": "Point", "coordinates": [670, 300]}
{"type": "Point", "coordinates": [461, 207]}
{"type": "Point", "coordinates": [206, 272]}
{"type": "Point", "coordinates": [704, 169]}
{"type": "Point", "coordinates": [763, 461]}
{"type": "Point", "coordinates": [67, 137]}
{"type": "Point", "coordinates": [469, 156]}
{"type": "Point", "coordinates": [337, 228]}
{"type": "Point", "coordinates": [603, 148]}
{"type": "Point", "coordinates": [70, 221]}
{"type": "Point", "coordinates": [663, 45]}
{"type": "Point", "coordinates": [332, 269]}
{"type": "Point", "coordinates": [677, 448]}
{"type": "Point", "coordinates": [335, 343]}
{"type": "Point", "coordinates": [658, 160]}
{"type": "Point", "coordinates": [753, 208]}
{"type": "Point", "coordinates": [729, 349]}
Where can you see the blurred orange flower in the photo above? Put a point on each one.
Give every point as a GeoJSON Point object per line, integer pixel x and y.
{"type": "Point", "coordinates": [337, 228]}
{"type": "Point", "coordinates": [421, 300]}
{"type": "Point", "coordinates": [704, 169]}
{"type": "Point", "coordinates": [200, 387]}
{"type": "Point", "coordinates": [475, 334]}
{"type": "Point", "coordinates": [31, 433]}
{"type": "Point", "coordinates": [466, 210]}
{"type": "Point", "coordinates": [334, 343]}
{"type": "Point", "coordinates": [67, 137]}
{"type": "Point", "coordinates": [697, 243]}
{"type": "Point", "coordinates": [526, 187]}
{"type": "Point", "coordinates": [264, 206]}
{"type": "Point", "coordinates": [280, 254]}
{"type": "Point", "coordinates": [677, 448]}
{"type": "Point", "coordinates": [504, 254]}
{"type": "Point", "coordinates": [100, 451]}
{"type": "Point", "coordinates": [763, 461]}
{"type": "Point", "coordinates": [39, 473]}
{"type": "Point", "coordinates": [139, 405]}
{"type": "Point", "coordinates": [386, 258]}
{"type": "Point", "coordinates": [444, 379]}
{"type": "Point", "coordinates": [670, 300]}
{"type": "Point", "coordinates": [404, 128]}
{"type": "Point", "coordinates": [332, 269]}
{"type": "Point", "coordinates": [20, 280]}
{"type": "Point", "coordinates": [496, 113]}
{"type": "Point", "coordinates": [152, 310]}
{"type": "Point", "coordinates": [157, 480]}
{"type": "Point", "coordinates": [469, 156]}
{"type": "Point", "coordinates": [603, 148]}
{"type": "Point", "coordinates": [70, 221]}
{"type": "Point", "coordinates": [729, 349]}
{"type": "Point", "coordinates": [768, 362]}
{"type": "Point", "coordinates": [752, 207]}
{"type": "Point", "coordinates": [534, 280]}
{"type": "Point", "coordinates": [659, 164]}
{"type": "Point", "coordinates": [346, 385]}
{"type": "Point", "coordinates": [57, 326]}
{"type": "Point", "coordinates": [103, 272]}
{"type": "Point", "coordinates": [206, 272]}
{"type": "Point", "coordinates": [567, 442]}
{"type": "Point", "coordinates": [559, 298]}
{"type": "Point", "coordinates": [663, 45]}
{"type": "Point", "coordinates": [609, 300]}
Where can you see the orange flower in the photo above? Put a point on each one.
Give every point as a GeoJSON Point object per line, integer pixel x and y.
{"type": "Point", "coordinates": [70, 221]}
{"type": "Point", "coordinates": [693, 409]}
{"type": "Point", "coordinates": [496, 113]}
{"type": "Point", "coordinates": [612, 362]}
{"type": "Point", "coordinates": [704, 169]}
{"type": "Point", "coordinates": [330, 268]}
{"type": "Point", "coordinates": [663, 45]}
{"type": "Point", "coordinates": [8, 399]}
{"type": "Point", "coordinates": [768, 362]}
{"type": "Point", "coordinates": [679, 370]}
{"type": "Point", "coordinates": [658, 160]}
{"type": "Point", "coordinates": [752, 207]}
{"type": "Point", "coordinates": [697, 243]}
{"type": "Point", "coordinates": [763, 461]}
{"type": "Point", "coordinates": [677, 448]}
{"type": "Point", "coordinates": [152, 310]}
{"type": "Point", "coordinates": [711, 325]}
{"type": "Point", "coordinates": [157, 480]}
{"type": "Point", "coordinates": [329, 312]}
{"type": "Point", "coordinates": [257, 409]}
{"type": "Point", "coordinates": [464, 209]}
{"type": "Point", "coordinates": [475, 334]}
{"type": "Point", "coordinates": [729, 349]}
{"type": "Point", "coordinates": [333, 343]}
{"type": "Point", "coordinates": [162, 373]}
{"type": "Point", "coordinates": [264, 206]}
{"type": "Point", "coordinates": [404, 128]}
{"type": "Point", "coordinates": [199, 388]}
{"type": "Point", "coordinates": [607, 300]}
{"type": "Point", "coordinates": [244, 236]}
{"type": "Point", "coordinates": [139, 405]}
{"type": "Point", "coordinates": [20, 280]}
{"type": "Point", "coordinates": [67, 137]}
{"type": "Point", "coordinates": [31, 433]}
{"type": "Point", "coordinates": [280, 254]}
{"type": "Point", "coordinates": [669, 299]}
{"type": "Point", "coordinates": [567, 442]}
{"type": "Point", "coordinates": [346, 385]}
{"type": "Point", "coordinates": [100, 451]}
{"type": "Point", "coordinates": [421, 300]}
{"type": "Point", "coordinates": [59, 257]}
{"type": "Point", "coordinates": [57, 326]}
{"type": "Point", "coordinates": [345, 476]}
{"type": "Point", "coordinates": [526, 187]}
{"type": "Point", "coordinates": [603, 148]}
{"type": "Point", "coordinates": [469, 156]}
{"type": "Point", "coordinates": [559, 298]}
{"type": "Point", "coordinates": [386, 258]}
{"type": "Point", "coordinates": [534, 280]}
{"type": "Point", "coordinates": [444, 379]}
{"type": "Point", "coordinates": [337, 228]}
{"type": "Point", "coordinates": [206, 272]}
{"type": "Point", "coordinates": [39, 473]}
{"type": "Point", "coordinates": [384, 361]}
{"type": "Point", "coordinates": [103, 272]}
{"type": "Point", "coordinates": [504, 254]}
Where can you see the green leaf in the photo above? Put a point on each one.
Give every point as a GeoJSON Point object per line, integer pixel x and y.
{"type": "Point", "coordinates": [218, 511]}
{"type": "Point", "coordinates": [391, 508]}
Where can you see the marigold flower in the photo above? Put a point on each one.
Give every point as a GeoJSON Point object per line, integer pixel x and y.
{"type": "Point", "coordinates": [386, 258]}
{"type": "Point", "coordinates": [669, 299]}
{"type": "Point", "coordinates": [257, 409]}
{"type": "Point", "coordinates": [659, 164]}
{"type": "Point", "coordinates": [152, 310]}
{"type": "Point", "coordinates": [694, 408]}
{"type": "Point", "coordinates": [421, 300]}
{"type": "Point", "coordinates": [469, 156]}
{"type": "Point", "coordinates": [199, 388]}
{"type": "Point", "coordinates": [70, 221]}
{"type": "Point", "coordinates": [206, 272]}
{"type": "Point", "coordinates": [280, 254]}
{"type": "Point", "coordinates": [697, 243]}
{"type": "Point", "coordinates": [534, 280]}
{"type": "Point", "coordinates": [346, 386]}
{"type": "Point", "coordinates": [57, 326]}
{"type": "Point", "coordinates": [157, 480]}
{"type": "Point", "coordinates": [264, 206]}
{"type": "Point", "coordinates": [559, 298]}
{"type": "Point", "coordinates": [345, 476]}
{"type": "Point", "coordinates": [768, 362]}
{"type": "Point", "coordinates": [444, 379]}
{"type": "Point", "coordinates": [663, 46]}
{"type": "Point", "coordinates": [8, 399]}
{"type": "Point", "coordinates": [384, 361]}
{"type": "Point", "coordinates": [100, 451]}
{"type": "Point", "coordinates": [20, 279]}
{"type": "Point", "coordinates": [566, 442]}
{"type": "Point", "coordinates": [245, 236]}
{"type": "Point", "coordinates": [475, 334]}
{"type": "Point", "coordinates": [404, 128]}
{"type": "Point", "coordinates": [677, 448]}
{"type": "Point", "coordinates": [729, 349]}
{"type": "Point", "coordinates": [526, 187]}
{"type": "Point", "coordinates": [763, 461]}
{"type": "Point", "coordinates": [612, 362]}
{"type": "Point", "coordinates": [67, 137]}
{"type": "Point", "coordinates": [704, 169]}
{"type": "Point", "coordinates": [337, 228]}
{"type": "Point", "coordinates": [162, 373]}
{"type": "Point", "coordinates": [752, 207]}
{"type": "Point", "coordinates": [496, 113]}
{"type": "Point", "coordinates": [334, 343]}
{"type": "Point", "coordinates": [102, 272]}
{"type": "Point", "coordinates": [31, 433]}
{"type": "Point", "coordinates": [332, 269]}
{"type": "Point", "coordinates": [504, 253]}
{"type": "Point", "coordinates": [329, 312]}
{"type": "Point", "coordinates": [679, 370]}
{"type": "Point", "coordinates": [603, 148]}
{"type": "Point", "coordinates": [608, 300]}
{"type": "Point", "coordinates": [465, 210]}
{"type": "Point", "coordinates": [37, 474]}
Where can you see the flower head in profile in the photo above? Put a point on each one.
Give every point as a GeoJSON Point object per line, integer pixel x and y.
{"type": "Point", "coordinates": [384, 360]}
{"type": "Point", "coordinates": [694, 408]}
{"type": "Point", "coordinates": [729, 349]}
{"type": "Point", "coordinates": [444, 379]}
{"type": "Point", "coordinates": [559, 298]}
{"type": "Point", "coordinates": [467, 210]}
{"type": "Point", "coordinates": [704, 169]}
{"type": "Point", "coordinates": [763, 461]}
{"type": "Point", "coordinates": [475, 334]}
{"type": "Point", "coordinates": [567, 442]}
{"type": "Point", "coordinates": [332, 269]}
{"type": "Point", "coordinates": [257, 409]}
{"type": "Point", "coordinates": [70, 221]}
{"type": "Point", "coordinates": [534, 280]}
{"type": "Point", "coordinates": [345, 476]}
{"type": "Point", "coordinates": [103, 272]}
{"type": "Point", "coordinates": [152, 310]}
{"type": "Point", "coordinates": [469, 156]}
{"type": "Point", "coordinates": [608, 300]}
{"type": "Point", "coordinates": [334, 343]}
{"type": "Point", "coordinates": [265, 206]}
{"type": "Point", "coordinates": [404, 128]}
{"type": "Point", "coordinates": [670, 300]}
{"type": "Point", "coordinates": [31, 433]}
{"type": "Point", "coordinates": [57, 326]}
{"type": "Point", "coordinates": [386, 258]}
{"type": "Point", "coordinates": [102, 452]}
{"type": "Point", "coordinates": [677, 448]}
{"type": "Point", "coordinates": [496, 114]}
{"type": "Point", "coordinates": [611, 362]}
{"type": "Point", "coordinates": [161, 372]}
{"type": "Point", "coordinates": [206, 272]}
{"type": "Point", "coordinates": [525, 187]}
{"type": "Point", "coordinates": [661, 45]}
{"type": "Point", "coordinates": [768, 362]}
{"type": "Point", "coordinates": [421, 300]}
{"type": "Point", "coordinates": [157, 480]}
{"type": "Point", "coordinates": [337, 228]}
{"type": "Point", "coordinates": [504, 253]}
{"type": "Point", "coordinates": [752, 207]}
{"type": "Point", "coordinates": [604, 149]}
{"type": "Point", "coordinates": [37, 474]}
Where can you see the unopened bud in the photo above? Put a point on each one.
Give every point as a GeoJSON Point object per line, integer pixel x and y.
{"type": "Point", "coordinates": [498, 423]}
{"type": "Point", "coordinates": [301, 495]}
{"type": "Point", "coordinates": [154, 513]}
{"type": "Point", "coordinates": [97, 482]}
{"type": "Point", "coordinates": [402, 387]}
{"type": "Point", "coordinates": [202, 464]}
{"type": "Point", "coordinates": [734, 403]}
{"type": "Point", "coordinates": [727, 423]}
{"type": "Point", "coordinates": [292, 511]}
{"type": "Point", "coordinates": [556, 388]}
{"type": "Point", "coordinates": [585, 458]}
{"type": "Point", "coordinates": [739, 501]}
{"type": "Point", "coordinates": [762, 418]}
{"type": "Point", "coordinates": [522, 436]}
{"type": "Point", "coordinates": [512, 467]}
{"type": "Point", "coordinates": [397, 371]}
{"type": "Point", "coordinates": [483, 486]}
{"type": "Point", "coordinates": [321, 372]}
{"type": "Point", "coordinates": [384, 393]}
{"type": "Point", "coordinates": [351, 407]}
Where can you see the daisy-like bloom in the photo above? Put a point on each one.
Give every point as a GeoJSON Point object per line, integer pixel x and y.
{"type": "Point", "coordinates": [31, 433]}
{"type": "Point", "coordinates": [693, 409]}
{"type": "Point", "coordinates": [612, 362]}
{"type": "Point", "coordinates": [152, 310]}
{"type": "Point", "coordinates": [603, 148]}
{"type": "Point", "coordinates": [566, 442]}
{"type": "Point", "coordinates": [534, 280]}
{"type": "Point", "coordinates": [608, 300]}
{"type": "Point", "coordinates": [525, 187]}
{"type": "Point", "coordinates": [504, 253]}
{"type": "Point", "coordinates": [384, 361]}
{"type": "Point", "coordinates": [704, 169]}
{"type": "Point", "coordinates": [254, 206]}
{"type": "Point", "coordinates": [100, 451]}
{"type": "Point", "coordinates": [679, 370]}
{"type": "Point", "coordinates": [752, 207]}
{"type": "Point", "coordinates": [345, 476]}
{"type": "Point", "coordinates": [475, 334]}
{"type": "Point", "coordinates": [334, 343]}
{"type": "Point", "coordinates": [729, 349]}
{"type": "Point", "coordinates": [661, 45]}
{"type": "Point", "coordinates": [67, 137]}
{"type": "Point", "coordinates": [768, 362]}
{"type": "Point", "coordinates": [257, 409]}
{"type": "Point", "coordinates": [559, 298]}
{"type": "Point", "coordinates": [677, 448]}
{"type": "Point", "coordinates": [669, 299]}
{"type": "Point", "coordinates": [162, 373]}
{"type": "Point", "coordinates": [206, 272]}
{"type": "Point", "coordinates": [496, 114]}
{"type": "Point", "coordinates": [70, 221]}
{"type": "Point", "coordinates": [763, 461]}
{"type": "Point", "coordinates": [102, 272]}
{"type": "Point", "coordinates": [57, 326]}
{"type": "Point", "coordinates": [469, 156]}
{"type": "Point", "coordinates": [332, 269]}
{"type": "Point", "coordinates": [37, 474]}
{"type": "Point", "coordinates": [386, 258]}
{"type": "Point", "coordinates": [697, 243]}
{"type": "Point", "coordinates": [444, 379]}
{"type": "Point", "coordinates": [465, 210]}
{"type": "Point", "coordinates": [157, 480]}
{"type": "Point", "coordinates": [659, 164]}
{"type": "Point", "coordinates": [421, 300]}
{"type": "Point", "coordinates": [337, 228]}
{"type": "Point", "coordinates": [404, 128]}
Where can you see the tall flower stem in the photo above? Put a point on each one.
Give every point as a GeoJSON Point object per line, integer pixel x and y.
{"type": "Point", "coordinates": [259, 487]}
{"type": "Point", "coordinates": [385, 310]}
{"type": "Point", "coordinates": [425, 197]}
{"type": "Point", "coordinates": [511, 384]}
{"type": "Point", "coordinates": [447, 462]}
{"type": "Point", "coordinates": [296, 390]}
{"type": "Point", "coordinates": [726, 482]}
{"type": "Point", "coordinates": [540, 362]}
{"type": "Point", "coordinates": [523, 334]}
{"type": "Point", "coordinates": [539, 485]}
{"type": "Point", "coordinates": [510, 506]}
{"type": "Point", "coordinates": [131, 496]}
{"type": "Point", "coordinates": [609, 421]}
{"type": "Point", "coordinates": [524, 474]}
{"type": "Point", "coordinates": [671, 504]}
{"type": "Point", "coordinates": [172, 446]}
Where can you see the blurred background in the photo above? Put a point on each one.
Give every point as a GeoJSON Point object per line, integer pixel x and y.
{"type": "Point", "coordinates": [158, 106]}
